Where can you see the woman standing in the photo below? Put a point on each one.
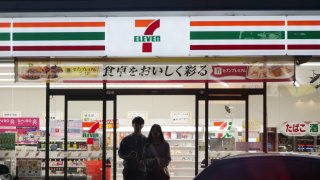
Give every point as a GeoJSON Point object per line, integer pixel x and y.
{"type": "Point", "coordinates": [156, 155]}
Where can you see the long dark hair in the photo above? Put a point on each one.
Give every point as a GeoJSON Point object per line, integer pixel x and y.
{"type": "Point", "coordinates": [155, 127]}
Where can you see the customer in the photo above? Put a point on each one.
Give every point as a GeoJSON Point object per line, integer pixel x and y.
{"type": "Point", "coordinates": [156, 155]}
{"type": "Point", "coordinates": [131, 148]}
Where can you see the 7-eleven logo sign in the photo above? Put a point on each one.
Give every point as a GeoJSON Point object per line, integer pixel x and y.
{"type": "Point", "coordinates": [148, 37]}
{"type": "Point", "coordinates": [90, 135]}
{"type": "Point", "coordinates": [224, 129]}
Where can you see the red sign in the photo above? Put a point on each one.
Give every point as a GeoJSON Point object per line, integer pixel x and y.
{"type": "Point", "coordinates": [20, 125]}
{"type": "Point", "coordinates": [295, 128]}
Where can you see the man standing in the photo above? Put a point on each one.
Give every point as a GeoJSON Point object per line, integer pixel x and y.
{"type": "Point", "coordinates": [130, 151]}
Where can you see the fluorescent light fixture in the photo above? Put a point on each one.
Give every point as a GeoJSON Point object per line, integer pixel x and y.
{"type": "Point", "coordinates": [6, 80]}
{"type": "Point", "coordinates": [224, 84]}
{"type": "Point", "coordinates": [65, 86]}
{"type": "Point", "coordinates": [6, 64]}
{"type": "Point", "coordinates": [311, 64]}
{"type": "Point", "coordinates": [6, 74]}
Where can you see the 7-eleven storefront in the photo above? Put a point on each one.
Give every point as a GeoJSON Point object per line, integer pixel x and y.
{"type": "Point", "coordinates": [218, 86]}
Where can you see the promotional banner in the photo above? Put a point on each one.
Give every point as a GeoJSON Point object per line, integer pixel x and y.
{"type": "Point", "coordinates": [303, 35]}
{"type": "Point", "coordinates": [5, 37]}
{"type": "Point", "coordinates": [148, 36]}
{"type": "Point", "coordinates": [300, 128]}
{"type": "Point", "coordinates": [253, 72]}
{"type": "Point", "coordinates": [79, 72]}
{"type": "Point", "coordinates": [22, 124]}
{"type": "Point", "coordinates": [237, 35]}
{"type": "Point", "coordinates": [58, 71]}
{"type": "Point", "coordinates": [59, 36]}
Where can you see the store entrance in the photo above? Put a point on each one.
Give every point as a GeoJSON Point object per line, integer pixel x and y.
{"type": "Point", "coordinates": [81, 145]}
{"type": "Point", "coordinates": [176, 116]}
{"type": "Point", "coordinates": [234, 122]}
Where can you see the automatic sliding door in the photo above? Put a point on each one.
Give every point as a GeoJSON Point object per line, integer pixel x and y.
{"type": "Point", "coordinates": [226, 128]}
{"type": "Point", "coordinates": [176, 115]}
{"type": "Point", "coordinates": [84, 140]}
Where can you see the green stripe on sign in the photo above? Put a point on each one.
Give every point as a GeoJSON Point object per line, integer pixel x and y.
{"type": "Point", "coordinates": [241, 35]}
{"type": "Point", "coordinates": [303, 34]}
{"type": "Point", "coordinates": [60, 36]}
{"type": "Point", "coordinates": [4, 36]}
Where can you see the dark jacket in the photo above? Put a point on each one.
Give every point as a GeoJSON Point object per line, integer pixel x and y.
{"type": "Point", "coordinates": [132, 143]}
{"type": "Point", "coordinates": [150, 160]}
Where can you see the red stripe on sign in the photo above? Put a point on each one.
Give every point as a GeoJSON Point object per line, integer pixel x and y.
{"type": "Point", "coordinates": [303, 46]}
{"type": "Point", "coordinates": [94, 127]}
{"type": "Point", "coordinates": [223, 126]}
{"type": "Point", "coordinates": [59, 48]}
{"type": "Point", "coordinates": [237, 47]}
{"type": "Point", "coordinates": [4, 48]}
{"type": "Point", "coordinates": [152, 27]}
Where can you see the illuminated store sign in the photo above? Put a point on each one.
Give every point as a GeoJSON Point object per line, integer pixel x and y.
{"type": "Point", "coordinates": [147, 36]}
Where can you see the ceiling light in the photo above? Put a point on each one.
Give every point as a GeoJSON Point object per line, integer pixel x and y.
{"type": "Point", "coordinates": [6, 74]}
{"type": "Point", "coordinates": [311, 64]}
{"type": "Point", "coordinates": [7, 80]}
{"type": "Point", "coordinates": [224, 84]}
{"type": "Point", "coordinates": [90, 86]}
{"type": "Point", "coordinates": [6, 65]}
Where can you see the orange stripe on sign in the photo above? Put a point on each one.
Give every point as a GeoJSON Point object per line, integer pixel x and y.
{"type": "Point", "coordinates": [237, 23]}
{"type": "Point", "coordinates": [57, 24]}
{"type": "Point", "coordinates": [4, 25]}
{"type": "Point", "coordinates": [303, 23]}
{"type": "Point", "coordinates": [87, 124]}
{"type": "Point", "coordinates": [217, 123]}
{"type": "Point", "coordinates": [143, 23]}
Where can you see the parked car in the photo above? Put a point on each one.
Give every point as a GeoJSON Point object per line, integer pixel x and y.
{"type": "Point", "coordinates": [5, 173]}
{"type": "Point", "coordinates": [263, 167]}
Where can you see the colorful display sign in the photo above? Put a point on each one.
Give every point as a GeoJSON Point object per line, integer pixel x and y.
{"type": "Point", "coordinates": [59, 36]}
{"type": "Point", "coordinates": [148, 36]}
{"type": "Point", "coordinates": [237, 35]}
{"type": "Point", "coordinates": [303, 35]}
{"type": "Point", "coordinates": [300, 128]}
{"type": "Point", "coordinates": [160, 36]}
{"type": "Point", "coordinates": [29, 168]}
{"type": "Point", "coordinates": [19, 124]}
{"type": "Point", "coordinates": [68, 72]}
{"type": "Point", "coordinates": [5, 37]}
{"type": "Point", "coordinates": [253, 72]}
{"type": "Point", "coordinates": [57, 71]}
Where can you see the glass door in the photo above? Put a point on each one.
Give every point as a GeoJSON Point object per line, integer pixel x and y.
{"type": "Point", "coordinates": [175, 115]}
{"type": "Point", "coordinates": [226, 128]}
{"type": "Point", "coordinates": [84, 140]}
{"type": "Point", "coordinates": [84, 148]}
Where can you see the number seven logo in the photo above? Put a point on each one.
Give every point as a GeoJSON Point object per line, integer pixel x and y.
{"type": "Point", "coordinates": [151, 26]}
{"type": "Point", "coordinates": [92, 130]}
